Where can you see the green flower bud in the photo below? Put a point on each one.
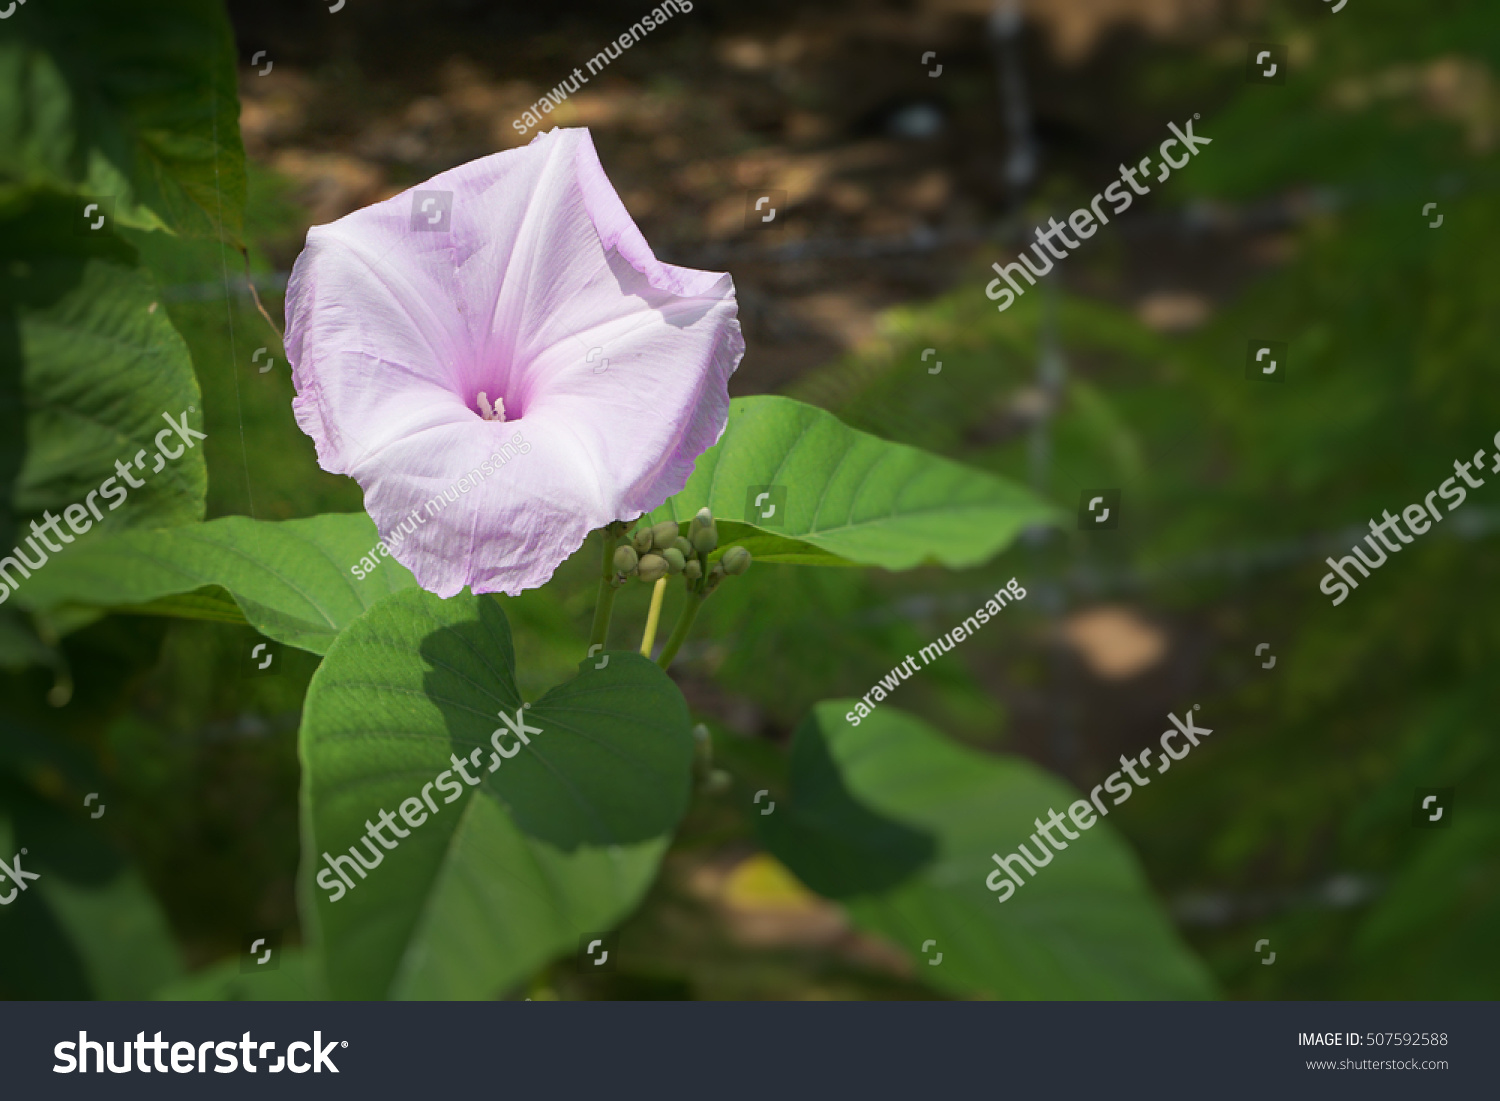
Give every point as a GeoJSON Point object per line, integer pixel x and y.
{"type": "Point", "coordinates": [704, 518]}
{"type": "Point", "coordinates": [675, 562]}
{"type": "Point", "coordinates": [684, 546]}
{"type": "Point", "coordinates": [693, 570]}
{"type": "Point", "coordinates": [705, 539]}
{"type": "Point", "coordinates": [736, 560]}
{"type": "Point", "coordinates": [663, 534]}
{"type": "Point", "coordinates": [652, 567]}
{"type": "Point", "coordinates": [716, 574]}
{"type": "Point", "coordinates": [626, 559]}
{"type": "Point", "coordinates": [641, 540]}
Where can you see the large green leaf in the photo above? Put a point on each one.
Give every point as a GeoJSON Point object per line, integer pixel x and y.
{"type": "Point", "coordinates": [559, 841]}
{"type": "Point", "coordinates": [899, 824]}
{"type": "Point", "coordinates": [130, 103]}
{"type": "Point", "coordinates": [851, 498]}
{"type": "Point", "coordinates": [293, 580]}
{"type": "Point", "coordinates": [90, 367]}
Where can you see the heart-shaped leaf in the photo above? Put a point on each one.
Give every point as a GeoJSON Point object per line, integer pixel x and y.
{"type": "Point", "coordinates": [793, 483]}
{"type": "Point", "coordinates": [559, 839]}
{"type": "Point", "coordinates": [900, 825]}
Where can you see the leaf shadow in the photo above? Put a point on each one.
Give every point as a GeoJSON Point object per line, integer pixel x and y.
{"type": "Point", "coordinates": [834, 843]}
{"type": "Point", "coordinates": [597, 774]}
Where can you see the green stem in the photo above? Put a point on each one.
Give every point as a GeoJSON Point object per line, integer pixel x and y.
{"type": "Point", "coordinates": [684, 625]}
{"type": "Point", "coordinates": [605, 603]}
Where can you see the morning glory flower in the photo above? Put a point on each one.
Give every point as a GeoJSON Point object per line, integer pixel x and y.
{"type": "Point", "coordinates": [503, 365]}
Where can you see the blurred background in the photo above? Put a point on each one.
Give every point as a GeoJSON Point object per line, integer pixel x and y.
{"type": "Point", "coordinates": [915, 143]}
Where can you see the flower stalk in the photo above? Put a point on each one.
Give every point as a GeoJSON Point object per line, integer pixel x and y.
{"type": "Point", "coordinates": [703, 539]}
{"type": "Point", "coordinates": [604, 605]}
{"type": "Point", "coordinates": [684, 624]}
{"type": "Point", "coordinates": [653, 617]}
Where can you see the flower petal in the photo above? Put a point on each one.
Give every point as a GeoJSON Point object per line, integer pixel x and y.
{"type": "Point", "coordinates": [542, 292]}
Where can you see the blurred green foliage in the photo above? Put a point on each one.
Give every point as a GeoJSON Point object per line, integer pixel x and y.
{"type": "Point", "coordinates": [1297, 824]}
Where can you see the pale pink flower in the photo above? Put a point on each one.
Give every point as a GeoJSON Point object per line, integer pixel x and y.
{"type": "Point", "coordinates": [603, 372]}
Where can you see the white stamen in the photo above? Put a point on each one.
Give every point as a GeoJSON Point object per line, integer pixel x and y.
{"type": "Point", "coordinates": [497, 413]}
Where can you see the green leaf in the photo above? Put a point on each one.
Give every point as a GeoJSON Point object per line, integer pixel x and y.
{"type": "Point", "coordinates": [226, 982]}
{"type": "Point", "coordinates": [1447, 885]}
{"type": "Point", "coordinates": [292, 579]}
{"type": "Point", "coordinates": [899, 824]}
{"type": "Point", "coordinates": [559, 841]}
{"type": "Point", "coordinates": [851, 498]}
{"type": "Point", "coordinates": [90, 366]}
{"type": "Point", "coordinates": [90, 925]}
{"type": "Point", "coordinates": [134, 103]}
{"type": "Point", "coordinates": [211, 603]}
{"type": "Point", "coordinates": [118, 930]}
{"type": "Point", "coordinates": [20, 645]}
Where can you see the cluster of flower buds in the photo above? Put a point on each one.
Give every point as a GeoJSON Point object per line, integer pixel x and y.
{"type": "Point", "coordinates": [657, 551]}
